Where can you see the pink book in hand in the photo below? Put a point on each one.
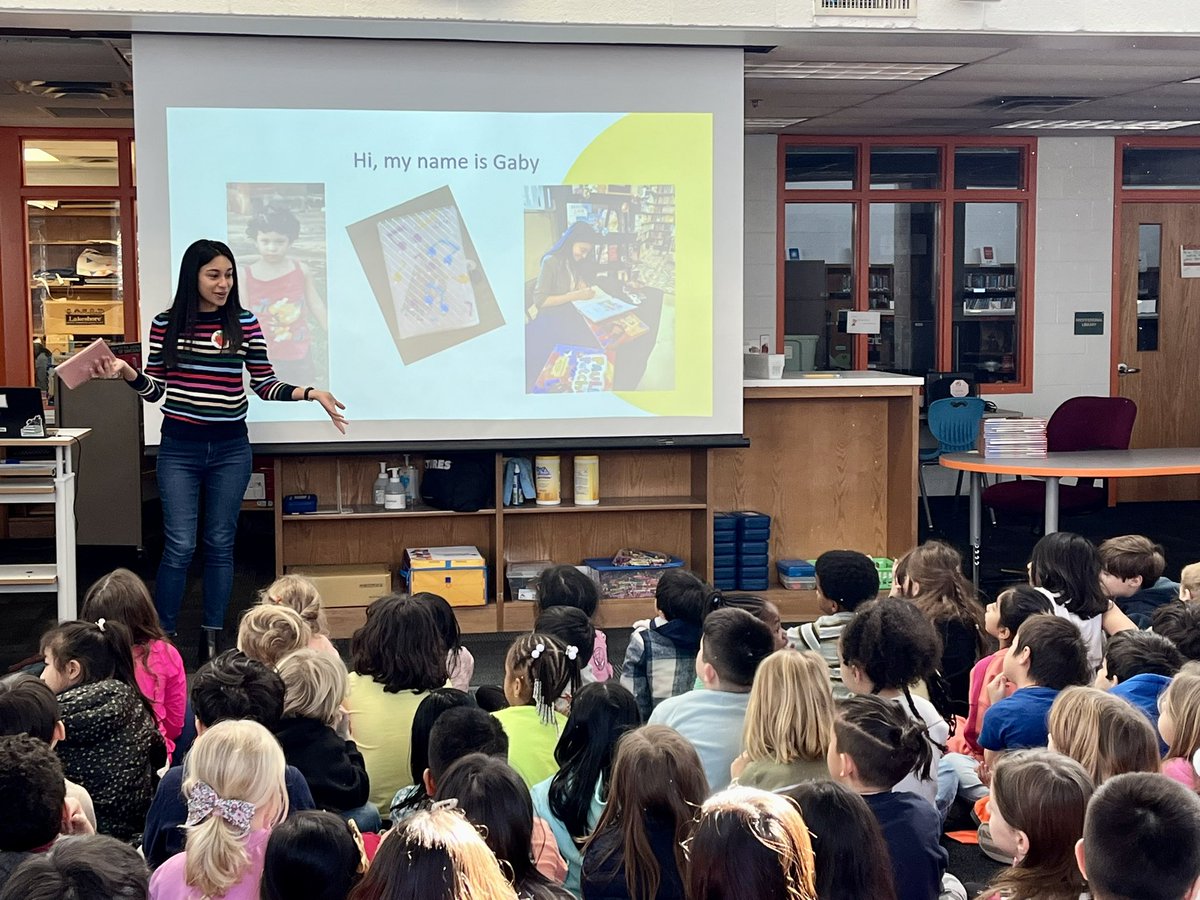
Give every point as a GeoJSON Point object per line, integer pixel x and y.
{"type": "Point", "coordinates": [80, 367]}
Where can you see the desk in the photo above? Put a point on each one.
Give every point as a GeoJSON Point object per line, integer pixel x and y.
{"type": "Point", "coordinates": [1054, 466]}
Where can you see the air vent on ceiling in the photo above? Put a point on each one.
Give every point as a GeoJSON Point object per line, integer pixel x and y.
{"type": "Point", "coordinates": [75, 90]}
{"type": "Point", "coordinates": [1025, 104]}
{"type": "Point", "coordinates": [897, 9]}
{"type": "Point", "coordinates": [86, 112]}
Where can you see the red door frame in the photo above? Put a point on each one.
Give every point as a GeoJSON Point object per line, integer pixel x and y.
{"type": "Point", "coordinates": [946, 196]}
{"type": "Point", "coordinates": [15, 313]}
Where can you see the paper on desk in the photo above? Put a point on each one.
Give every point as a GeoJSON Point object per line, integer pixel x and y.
{"type": "Point", "coordinates": [602, 306]}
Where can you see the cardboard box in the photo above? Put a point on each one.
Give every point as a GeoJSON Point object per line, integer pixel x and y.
{"type": "Point", "coordinates": [348, 585]}
{"type": "Point", "coordinates": [260, 491]}
{"type": "Point", "coordinates": [83, 317]}
{"type": "Point", "coordinates": [459, 574]}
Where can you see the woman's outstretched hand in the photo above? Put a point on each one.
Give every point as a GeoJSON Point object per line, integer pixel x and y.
{"type": "Point", "coordinates": [333, 407]}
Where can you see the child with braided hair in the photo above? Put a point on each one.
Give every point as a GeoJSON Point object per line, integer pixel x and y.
{"type": "Point", "coordinates": [537, 670]}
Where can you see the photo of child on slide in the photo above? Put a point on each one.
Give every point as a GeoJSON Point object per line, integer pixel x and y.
{"type": "Point", "coordinates": [277, 233]}
{"type": "Point", "coordinates": [599, 288]}
{"type": "Point", "coordinates": [425, 274]}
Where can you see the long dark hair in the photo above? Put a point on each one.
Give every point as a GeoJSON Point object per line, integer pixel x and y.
{"type": "Point", "coordinates": [1069, 565]}
{"type": "Point", "coordinates": [311, 854]}
{"type": "Point", "coordinates": [496, 801]}
{"type": "Point", "coordinates": [428, 712]}
{"type": "Point", "coordinates": [121, 596]}
{"type": "Point", "coordinates": [852, 857]}
{"type": "Point", "coordinates": [185, 309]}
{"type": "Point", "coordinates": [400, 646]}
{"type": "Point", "coordinates": [578, 233]}
{"type": "Point", "coordinates": [103, 650]}
{"type": "Point", "coordinates": [943, 593]}
{"type": "Point", "coordinates": [446, 621]}
{"type": "Point", "coordinates": [601, 713]}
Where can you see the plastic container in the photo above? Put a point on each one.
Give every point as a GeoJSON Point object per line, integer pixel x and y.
{"type": "Point", "coordinates": [587, 481]}
{"type": "Point", "coordinates": [394, 497]}
{"type": "Point", "coordinates": [547, 480]}
{"type": "Point", "coordinates": [802, 583]}
{"type": "Point", "coordinates": [629, 582]}
{"type": "Point", "coordinates": [522, 578]}
{"type": "Point", "coordinates": [795, 568]}
{"type": "Point", "coordinates": [762, 365]}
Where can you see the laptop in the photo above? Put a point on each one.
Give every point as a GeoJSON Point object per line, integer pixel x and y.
{"type": "Point", "coordinates": [21, 413]}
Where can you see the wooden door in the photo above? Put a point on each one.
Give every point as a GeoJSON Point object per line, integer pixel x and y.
{"type": "Point", "coordinates": [1158, 333]}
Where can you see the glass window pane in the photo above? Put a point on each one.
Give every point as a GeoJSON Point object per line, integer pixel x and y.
{"type": "Point", "coordinates": [75, 272]}
{"type": "Point", "coordinates": [821, 168]}
{"type": "Point", "coordinates": [987, 306]}
{"type": "Point", "coordinates": [51, 162]}
{"type": "Point", "coordinates": [1149, 271]}
{"type": "Point", "coordinates": [1161, 168]}
{"type": "Point", "coordinates": [903, 285]}
{"type": "Point", "coordinates": [818, 285]}
{"type": "Point", "coordinates": [906, 168]}
{"type": "Point", "coordinates": [988, 167]}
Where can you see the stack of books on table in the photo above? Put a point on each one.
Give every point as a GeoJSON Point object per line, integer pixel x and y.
{"type": "Point", "coordinates": [1013, 438]}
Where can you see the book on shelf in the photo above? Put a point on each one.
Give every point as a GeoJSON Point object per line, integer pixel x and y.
{"type": "Point", "coordinates": [1023, 438]}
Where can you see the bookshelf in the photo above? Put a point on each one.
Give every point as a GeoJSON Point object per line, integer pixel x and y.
{"type": "Point", "coordinates": [985, 322]}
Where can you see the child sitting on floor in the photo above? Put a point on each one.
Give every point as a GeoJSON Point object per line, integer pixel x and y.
{"type": "Point", "coordinates": [460, 664]}
{"type": "Point", "coordinates": [301, 595]}
{"type": "Point", "coordinates": [1180, 624]}
{"type": "Point", "coordinates": [1189, 583]}
{"type": "Point", "coordinates": [567, 586]}
{"type": "Point", "coordinates": [1138, 666]}
{"type": "Point", "coordinates": [1131, 571]}
{"type": "Point", "coordinates": [1103, 733]}
{"type": "Point", "coordinates": [1179, 725]}
{"type": "Point", "coordinates": [269, 633]}
{"type": "Point", "coordinates": [536, 672]}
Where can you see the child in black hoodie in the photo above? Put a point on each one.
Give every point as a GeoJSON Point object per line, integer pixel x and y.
{"type": "Point", "coordinates": [314, 734]}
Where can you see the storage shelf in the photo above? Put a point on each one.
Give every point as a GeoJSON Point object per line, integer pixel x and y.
{"type": "Point", "coordinates": [26, 470]}
{"type": "Point", "coordinates": [324, 515]}
{"type": "Point", "coordinates": [612, 504]}
{"type": "Point", "coordinates": [29, 577]}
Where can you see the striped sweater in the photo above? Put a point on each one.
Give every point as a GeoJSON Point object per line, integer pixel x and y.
{"type": "Point", "coordinates": [206, 393]}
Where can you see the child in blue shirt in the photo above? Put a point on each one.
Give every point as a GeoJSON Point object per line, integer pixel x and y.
{"type": "Point", "coordinates": [1047, 655]}
{"type": "Point", "coordinates": [1138, 666]}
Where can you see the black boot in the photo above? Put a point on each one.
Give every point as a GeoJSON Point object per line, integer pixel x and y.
{"type": "Point", "coordinates": [209, 645]}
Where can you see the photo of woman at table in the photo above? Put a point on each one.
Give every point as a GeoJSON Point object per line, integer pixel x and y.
{"type": "Point", "coordinates": [568, 269]}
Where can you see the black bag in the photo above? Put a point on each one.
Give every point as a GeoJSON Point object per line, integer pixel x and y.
{"type": "Point", "coordinates": [459, 482]}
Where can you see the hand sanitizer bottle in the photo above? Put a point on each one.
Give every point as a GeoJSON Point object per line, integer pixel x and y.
{"type": "Point", "coordinates": [394, 495]}
{"type": "Point", "coordinates": [408, 477]}
{"type": "Point", "coordinates": [380, 489]}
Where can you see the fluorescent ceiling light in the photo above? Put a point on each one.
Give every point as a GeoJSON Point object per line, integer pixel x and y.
{"type": "Point", "coordinates": [37, 154]}
{"type": "Point", "coordinates": [771, 124]}
{"type": "Point", "coordinates": [841, 71]}
{"type": "Point", "coordinates": [1101, 124]}
{"type": "Point", "coordinates": [1191, 81]}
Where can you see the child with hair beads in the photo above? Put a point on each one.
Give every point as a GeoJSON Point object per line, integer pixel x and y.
{"type": "Point", "coordinates": [300, 594]}
{"type": "Point", "coordinates": [536, 672]}
{"type": "Point", "coordinates": [851, 856]}
{"type": "Point", "coordinates": [572, 801]}
{"type": "Point", "coordinates": [567, 586]}
{"type": "Point", "coordinates": [396, 658]}
{"type": "Point", "coordinates": [574, 631]}
{"type": "Point", "coordinates": [233, 782]}
{"type": "Point", "coordinates": [314, 855]}
{"type": "Point", "coordinates": [1104, 734]}
{"type": "Point", "coordinates": [1066, 568]}
{"type": "Point", "coordinates": [435, 855]}
{"type": "Point", "coordinates": [637, 850]}
{"type": "Point", "coordinates": [660, 661]}
{"type": "Point", "coordinates": [933, 581]}
{"type": "Point", "coordinates": [888, 646]}
{"type": "Point", "coordinates": [846, 579]}
{"type": "Point", "coordinates": [1038, 803]}
{"type": "Point", "coordinates": [875, 746]}
{"type": "Point", "coordinates": [120, 596]}
{"type": "Point", "coordinates": [750, 843]}
{"type": "Point", "coordinates": [269, 633]}
{"type": "Point", "coordinates": [315, 736]}
{"type": "Point", "coordinates": [112, 744]}
{"type": "Point", "coordinates": [496, 801]}
{"type": "Point", "coordinates": [789, 720]}
{"type": "Point", "coordinates": [1179, 725]}
{"type": "Point", "coordinates": [460, 664]}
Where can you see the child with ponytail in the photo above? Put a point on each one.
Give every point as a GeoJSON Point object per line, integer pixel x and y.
{"type": "Point", "coordinates": [234, 785]}
{"type": "Point", "coordinates": [537, 671]}
{"type": "Point", "coordinates": [121, 596]}
{"type": "Point", "coordinates": [112, 745]}
{"type": "Point", "coordinates": [875, 746]}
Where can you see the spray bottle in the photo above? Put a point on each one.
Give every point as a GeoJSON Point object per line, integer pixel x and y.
{"type": "Point", "coordinates": [394, 495]}
{"type": "Point", "coordinates": [380, 489]}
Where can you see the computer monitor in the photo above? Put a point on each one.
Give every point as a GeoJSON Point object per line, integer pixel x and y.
{"type": "Point", "coordinates": [940, 385]}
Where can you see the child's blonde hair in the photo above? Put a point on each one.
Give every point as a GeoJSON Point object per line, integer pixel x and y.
{"type": "Point", "coordinates": [298, 593]}
{"type": "Point", "coordinates": [1104, 734]}
{"type": "Point", "coordinates": [790, 713]}
{"type": "Point", "coordinates": [269, 633]}
{"type": "Point", "coordinates": [1181, 700]}
{"type": "Point", "coordinates": [1189, 583]}
{"type": "Point", "coordinates": [238, 760]}
{"type": "Point", "coordinates": [315, 684]}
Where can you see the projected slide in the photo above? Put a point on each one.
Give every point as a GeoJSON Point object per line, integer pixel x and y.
{"type": "Point", "coordinates": [464, 266]}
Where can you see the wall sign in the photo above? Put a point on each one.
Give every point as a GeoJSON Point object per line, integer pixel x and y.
{"type": "Point", "coordinates": [1189, 262]}
{"type": "Point", "coordinates": [1089, 323]}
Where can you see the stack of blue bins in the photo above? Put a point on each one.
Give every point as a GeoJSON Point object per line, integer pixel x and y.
{"type": "Point", "coordinates": [741, 551]}
{"type": "Point", "coordinates": [725, 555]}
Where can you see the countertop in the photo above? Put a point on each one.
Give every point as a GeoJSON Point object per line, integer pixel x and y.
{"type": "Point", "coordinates": [834, 380]}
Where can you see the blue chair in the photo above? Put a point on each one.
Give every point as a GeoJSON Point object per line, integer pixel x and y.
{"type": "Point", "coordinates": [954, 423]}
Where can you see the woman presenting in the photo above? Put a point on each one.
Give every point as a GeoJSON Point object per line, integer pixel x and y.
{"type": "Point", "coordinates": [197, 352]}
{"type": "Point", "coordinates": [568, 269]}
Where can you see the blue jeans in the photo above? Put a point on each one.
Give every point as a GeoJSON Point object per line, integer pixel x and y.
{"type": "Point", "coordinates": [220, 470]}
